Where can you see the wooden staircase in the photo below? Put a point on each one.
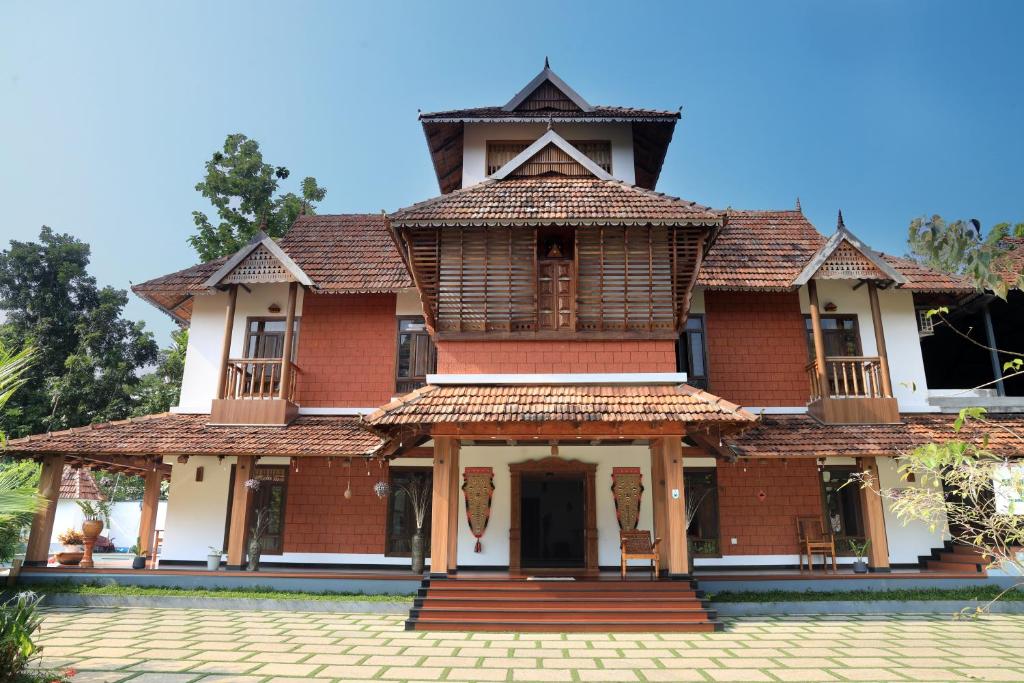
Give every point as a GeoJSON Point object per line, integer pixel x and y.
{"type": "Point", "coordinates": [955, 559]}
{"type": "Point", "coordinates": [582, 605]}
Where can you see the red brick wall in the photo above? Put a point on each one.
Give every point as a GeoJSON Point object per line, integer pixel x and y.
{"type": "Point", "coordinates": [757, 348]}
{"type": "Point", "coordinates": [347, 350]}
{"type": "Point", "coordinates": [766, 527]}
{"type": "Point", "coordinates": [318, 518]}
{"type": "Point", "coordinates": [555, 356]}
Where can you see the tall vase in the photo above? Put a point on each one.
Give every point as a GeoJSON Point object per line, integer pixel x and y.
{"type": "Point", "coordinates": [91, 529]}
{"type": "Point", "coordinates": [416, 551]}
{"type": "Point", "coordinates": [254, 555]}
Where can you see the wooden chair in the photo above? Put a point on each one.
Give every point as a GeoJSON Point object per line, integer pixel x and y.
{"type": "Point", "coordinates": [814, 540]}
{"type": "Point", "coordinates": [637, 545]}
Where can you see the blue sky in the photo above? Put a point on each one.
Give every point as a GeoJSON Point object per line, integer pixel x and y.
{"type": "Point", "coordinates": [888, 110]}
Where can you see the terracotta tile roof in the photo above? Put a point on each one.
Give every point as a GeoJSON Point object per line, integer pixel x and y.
{"type": "Point", "coordinates": [171, 434]}
{"type": "Point", "coordinates": [598, 112]}
{"type": "Point", "coordinates": [1011, 266]}
{"type": "Point", "coordinates": [575, 403]}
{"type": "Point", "coordinates": [76, 483]}
{"type": "Point", "coordinates": [789, 436]}
{"type": "Point", "coordinates": [342, 253]}
{"type": "Point", "coordinates": [766, 250]}
{"type": "Point", "coordinates": [542, 200]}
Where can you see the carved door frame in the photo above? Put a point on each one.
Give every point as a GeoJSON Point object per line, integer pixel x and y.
{"type": "Point", "coordinates": [554, 466]}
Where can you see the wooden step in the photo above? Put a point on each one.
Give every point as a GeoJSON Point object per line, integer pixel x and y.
{"type": "Point", "coordinates": [539, 586]}
{"type": "Point", "coordinates": [497, 625]}
{"type": "Point", "coordinates": [562, 595]}
{"type": "Point", "coordinates": [559, 603]}
{"type": "Point", "coordinates": [950, 566]}
{"type": "Point", "coordinates": [530, 614]}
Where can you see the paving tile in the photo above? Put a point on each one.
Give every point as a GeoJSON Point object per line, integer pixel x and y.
{"type": "Point", "coordinates": [164, 678]}
{"type": "Point", "coordinates": [282, 669]}
{"type": "Point", "coordinates": [801, 674]}
{"type": "Point", "coordinates": [672, 675]}
{"type": "Point", "coordinates": [404, 673]}
{"type": "Point", "coordinates": [349, 672]}
{"type": "Point", "coordinates": [744, 675]}
{"type": "Point", "coordinates": [994, 674]}
{"type": "Point", "coordinates": [472, 674]}
{"type": "Point", "coordinates": [540, 675]}
{"type": "Point", "coordinates": [606, 675]}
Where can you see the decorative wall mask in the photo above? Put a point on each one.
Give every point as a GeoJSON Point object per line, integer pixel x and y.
{"type": "Point", "coordinates": [478, 487]}
{"type": "Point", "coordinates": [627, 488]}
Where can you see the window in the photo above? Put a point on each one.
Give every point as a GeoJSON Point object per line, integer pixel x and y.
{"type": "Point", "coordinates": [691, 353]}
{"type": "Point", "coordinates": [269, 496]}
{"type": "Point", "coordinates": [841, 504]}
{"type": "Point", "coordinates": [840, 333]}
{"type": "Point", "coordinates": [401, 524]}
{"type": "Point", "coordinates": [416, 355]}
{"type": "Point", "coordinates": [500, 153]}
{"type": "Point", "coordinates": [265, 338]}
{"type": "Point", "coordinates": [701, 491]}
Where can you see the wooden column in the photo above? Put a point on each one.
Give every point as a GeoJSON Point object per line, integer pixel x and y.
{"type": "Point", "coordinates": [444, 507]}
{"type": "Point", "coordinates": [883, 356]}
{"type": "Point", "coordinates": [658, 499]}
{"type": "Point", "coordinates": [284, 391]}
{"type": "Point", "coordinates": [819, 338]}
{"type": "Point", "coordinates": [874, 520]}
{"type": "Point", "coordinates": [225, 349]}
{"type": "Point", "coordinates": [239, 511]}
{"type": "Point", "coordinates": [673, 536]}
{"type": "Point", "coordinates": [993, 355]}
{"type": "Point", "coordinates": [147, 522]}
{"type": "Point", "coordinates": [38, 551]}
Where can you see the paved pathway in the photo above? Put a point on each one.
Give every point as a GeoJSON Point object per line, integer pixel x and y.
{"type": "Point", "coordinates": [176, 645]}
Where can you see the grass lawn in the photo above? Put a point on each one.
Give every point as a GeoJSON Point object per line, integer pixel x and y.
{"type": "Point", "coordinates": [251, 593]}
{"type": "Point", "coordinates": [958, 594]}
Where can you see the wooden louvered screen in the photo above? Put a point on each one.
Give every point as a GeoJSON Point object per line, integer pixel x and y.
{"type": "Point", "coordinates": [847, 263]}
{"type": "Point", "coordinates": [487, 280]}
{"type": "Point", "coordinates": [622, 280]}
{"type": "Point", "coordinates": [625, 279]}
{"type": "Point", "coordinates": [549, 160]}
{"type": "Point", "coordinates": [547, 96]}
{"type": "Point", "coordinates": [258, 267]}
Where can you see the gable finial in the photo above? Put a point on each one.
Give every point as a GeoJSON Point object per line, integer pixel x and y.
{"type": "Point", "coordinates": [546, 64]}
{"type": "Point", "coordinates": [798, 207]}
{"type": "Point", "coordinates": [840, 225]}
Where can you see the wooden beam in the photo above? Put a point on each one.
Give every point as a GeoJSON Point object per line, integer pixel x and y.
{"type": "Point", "coordinates": [674, 507]}
{"type": "Point", "coordinates": [239, 511]}
{"type": "Point", "coordinates": [444, 507]}
{"type": "Point", "coordinates": [225, 349]}
{"type": "Point", "coordinates": [819, 338]}
{"type": "Point", "coordinates": [147, 522]}
{"type": "Point", "coordinates": [284, 391]}
{"type": "Point", "coordinates": [874, 518]}
{"type": "Point", "coordinates": [38, 551]}
{"type": "Point", "coordinates": [876, 322]}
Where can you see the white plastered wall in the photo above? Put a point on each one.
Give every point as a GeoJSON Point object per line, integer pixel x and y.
{"type": "Point", "coordinates": [907, 541]}
{"type": "Point", "coordinates": [899, 322]}
{"type": "Point", "coordinates": [407, 302]}
{"type": "Point", "coordinates": [205, 338]}
{"type": "Point", "coordinates": [476, 135]}
{"type": "Point", "coordinates": [196, 510]}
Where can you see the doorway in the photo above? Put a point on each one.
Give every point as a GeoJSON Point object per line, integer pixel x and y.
{"type": "Point", "coordinates": [841, 500]}
{"type": "Point", "coordinates": [552, 521]}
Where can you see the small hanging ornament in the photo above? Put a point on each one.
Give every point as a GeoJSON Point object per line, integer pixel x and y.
{"type": "Point", "coordinates": [382, 489]}
{"type": "Point", "coordinates": [348, 487]}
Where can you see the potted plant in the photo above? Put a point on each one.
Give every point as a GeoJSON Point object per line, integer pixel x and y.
{"type": "Point", "coordinates": [74, 548]}
{"type": "Point", "coordinates": [213, 558]}
{"type": "Point", "coordinates": [419, 497]}
{"type": "Point", "coordinates": [860, 565]}
{"type": "Point", "coordinates": [139, 561]}
{"type": "Point", "coordinates": [91, 528]}
{"type": "Point", "coordinates": [256, 533]}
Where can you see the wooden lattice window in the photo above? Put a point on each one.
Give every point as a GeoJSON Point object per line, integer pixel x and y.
{"type": "Point", "coordinates": [547, 97]}
{"type": "Point", "coordinates": [847, 263]}
{"type": "Point", "coordinates": [259, 266]}
{"type": "Point", "coordinates": [551, 159]}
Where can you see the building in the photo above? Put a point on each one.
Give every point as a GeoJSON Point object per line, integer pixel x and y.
{"type": "Point", "coordinates": [563, 350]}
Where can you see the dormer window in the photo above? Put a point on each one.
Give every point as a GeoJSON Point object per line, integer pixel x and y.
{"type": "Point", "coordinates": [551, 161]}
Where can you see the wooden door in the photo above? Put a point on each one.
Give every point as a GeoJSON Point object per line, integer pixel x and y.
{"type": "Point", "coordinates": [555, 294]}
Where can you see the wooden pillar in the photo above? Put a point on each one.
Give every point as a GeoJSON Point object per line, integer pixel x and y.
{"type": "Point", "coordinates": [993, 355]}
{"type": "Point", "coordinates": [819, 338]}
{"type": "Point", "coordinates": [38, 551]}
{"type": "Point", "coordinates": [883, 356]}
{"type": "Point", "coordinates": [658, 499]}
{"type": "Point", "coordinates": [147, 522]}
{"type": "Point", "coordinates": [225, 349]}
{"type": "Point", "coordinates": [239, 511]}
{"type": "Point", "coordinates": [444, 507]}
{"type": "Point", "coordinates": [284, 391]}
{"type": "Point", "coordinates": [874, 520]}
{"type": "Point", "coordinates": [673, 535]}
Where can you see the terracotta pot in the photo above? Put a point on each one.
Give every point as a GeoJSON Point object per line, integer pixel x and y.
{"type": "Point", "coordinates": [69, 559]}
{"type": "Point", "coordinates": [91, 528]}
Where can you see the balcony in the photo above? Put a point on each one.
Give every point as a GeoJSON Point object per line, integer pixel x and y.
{"type": "Point", "coordinates": [851, 390]}
{"type": "Point", "coordinates": [257, 391]}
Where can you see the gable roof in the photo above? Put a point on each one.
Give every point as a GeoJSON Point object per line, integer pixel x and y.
{"type": "Point", "coordinates": [340, 253]}
{"type": "Point", "coordinates": [77, 483]}
{"type": "Point", "coordinates": [547, 75]}
{"type": "Point", "coordinates": [260, 241]}
{"type": "Point", "coordinates": [551, 138]}
{"type": "Point", "coordinates": [597, 114]}
{"type": "Point", "coordinates": [843, 237]}
{"type": "Point", "coordinates": [545, 200]}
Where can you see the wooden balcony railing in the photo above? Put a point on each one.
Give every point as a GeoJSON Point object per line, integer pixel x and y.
{"type": "Point", "coordinates": [257, 379]}
{"type": "Point", "coordinates": [848, 377]}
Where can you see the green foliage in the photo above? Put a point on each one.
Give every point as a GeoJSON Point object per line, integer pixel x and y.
{"type": "Point", "coordinates": [243, 190]}
{"type": "Point", "coordinates": [95, 509]}
{"type": "Point", "coordinates": [954, 594]}
{"type": "Point", "coordinates": [71, 537]}
{"type": "Point", "coordinates": [21, 476]}
{"type": "Point", "coordinates": [959, 248]}
{"type": "Point", "coordinates": [859, 548]}
{"type": "Point", "coordinates": [160, 389]}
{"type": "Point", "coordinates": [253, 592]}
{"type": "Point", "coordinates": [87, 356]}
{"type": "Point", "coordinates": [13, 370]}
{"type": "Point", "coordinates": [20, 618]}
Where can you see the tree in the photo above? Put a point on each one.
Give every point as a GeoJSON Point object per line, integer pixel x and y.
{"type": "Point", "coordinates": [18, 497]}
{"type": "Point", "coordinates": [242, 187]}
{"type": "Point", "coordinates": [88, 356]}
{"type": "Point", "coordinates": [960, 249]}
{"type": "Point", "coordinates": [160, 389]}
